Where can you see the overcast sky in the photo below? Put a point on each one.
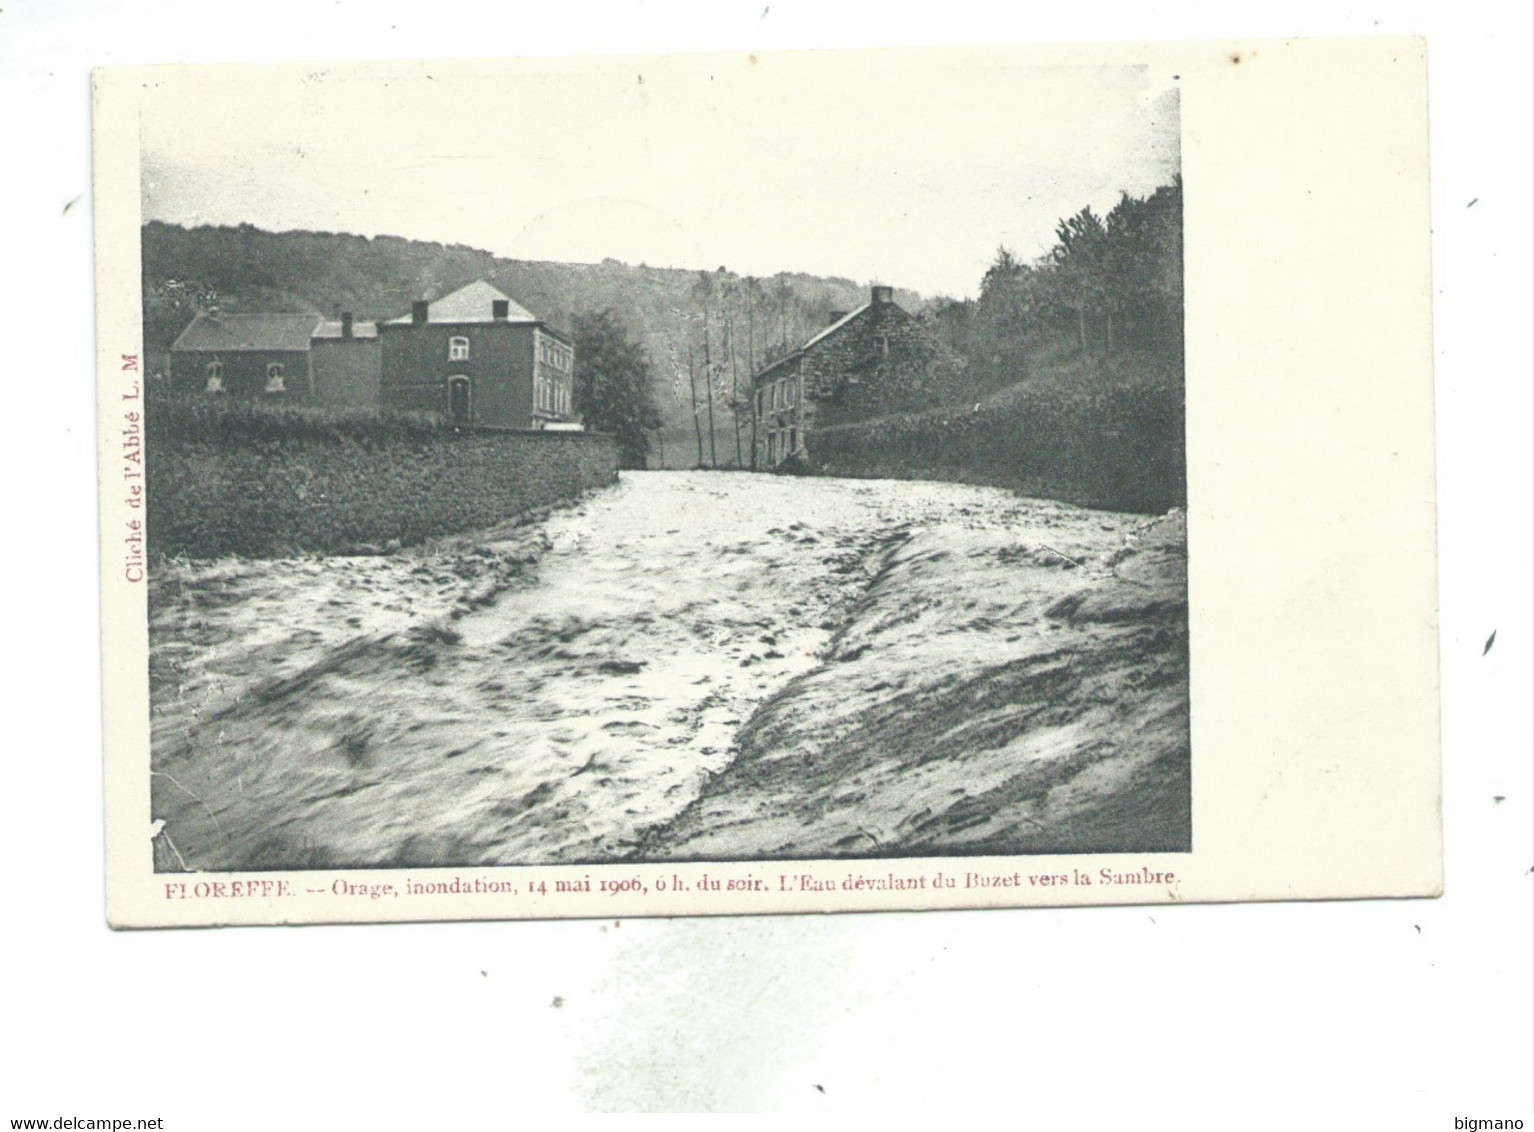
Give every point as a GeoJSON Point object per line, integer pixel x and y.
{"type": "Point", "coordinates": [902, 168]}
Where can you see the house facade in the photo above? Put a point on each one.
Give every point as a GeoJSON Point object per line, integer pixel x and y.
{"type": "Point", "coordinates": [481, 359]}
{"type": "Point", "coordinates": [250, 356]}
{"type": "Point", "coordinates": [343, 358]}
{"type": "Point", "coordinates": [473, 355]}
{"type": "Point", "coordinates": [866, 363]}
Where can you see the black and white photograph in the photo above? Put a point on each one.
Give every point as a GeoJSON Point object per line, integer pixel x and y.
{"type": "Point", "coordinates": [753, 482]}
{"type": "Point", "coordinates": [689, 465]}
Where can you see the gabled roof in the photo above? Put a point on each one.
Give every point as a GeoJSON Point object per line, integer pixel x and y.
{"type": "Point", "coordinates": [837, 325]}
{"type": "Point", "coordinates": [470, 304]}
{"type": "Point", "coordinates": [235, 333]}
{"type": "Point", "coordinates": [846, 320]}
{"type": "Point", "coordinates": [332, 329]}
{"type": "Point", "coordinates": [770, 366]}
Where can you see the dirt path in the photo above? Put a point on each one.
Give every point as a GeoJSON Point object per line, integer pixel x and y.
{"type": "Point", "coordinates": [596, 688]}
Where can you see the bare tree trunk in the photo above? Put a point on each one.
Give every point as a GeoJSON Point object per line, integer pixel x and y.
{"type": "Point", "coordinates": [692, 384]}
{"type": "Point", "coordinates": [713, 452]}
{"type": "Point", "coordinates": [751, 362]}
{"type": "Point", "coordinates": [708, 386]}
{"type": "Point", "coordinates": [729, 329]}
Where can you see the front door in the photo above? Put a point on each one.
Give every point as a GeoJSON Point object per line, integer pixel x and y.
{"type": "Point", "coordinates": [458, 399]}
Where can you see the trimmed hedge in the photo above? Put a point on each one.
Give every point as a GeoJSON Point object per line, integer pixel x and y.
{"type": "Point", "coordinates": [218, 419]}
{"type": "Point", "coordinates": [1115, 446]}
{"type": "Point", "coordinates": [265, 482]}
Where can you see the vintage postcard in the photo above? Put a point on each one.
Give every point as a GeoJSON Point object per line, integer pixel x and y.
{"type": "Point", "coordinates": [818, 481]}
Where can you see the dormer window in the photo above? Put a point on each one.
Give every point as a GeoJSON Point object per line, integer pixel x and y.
{"type": "Point", "coordinates": [274, 378]}
{"type": "Point", "coordinates": [215, 377]}
{"type": "Point", "coordinates": [458, 349]}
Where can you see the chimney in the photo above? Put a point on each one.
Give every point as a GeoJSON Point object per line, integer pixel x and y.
{"type": "Point", "coordinates": [500, 309]}
{"type": "Point", "coordinates": [418, 312]}
{"type": "Point", "coordinates": [836, 316]}
{"type": "Point", "coordinates": [346, 325]}
{"type": "Point", "coordinates": [883, 295]}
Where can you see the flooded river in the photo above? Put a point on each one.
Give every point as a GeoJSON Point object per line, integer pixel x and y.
{"type": "Point", "coordinates": [574, 690]}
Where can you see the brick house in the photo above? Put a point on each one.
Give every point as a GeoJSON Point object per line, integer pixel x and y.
{"type": "Point", "coordinates": [872, 361]}
{"type": "Point", "coordinates": [480, 358]}
{"type": "Point", "coordinates": [343, 358]}
{"type": "Point", "coordinates": [250, 356]}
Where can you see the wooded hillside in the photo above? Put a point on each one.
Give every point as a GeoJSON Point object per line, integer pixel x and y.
{"type": "Point", "coordinates": [1073, 382]}
{"type": "Point", "coordinates": [1095, 321]}
{"type": "Point", "coordinates": [246, 269]}
{"type": "Point", "coordinates": [1104, 302]}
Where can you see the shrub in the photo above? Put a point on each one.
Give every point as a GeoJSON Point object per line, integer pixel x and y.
{"type": "Point", "coordinates": [1116, 445]}
{"type": "Point", "coordinates": [214, 420]}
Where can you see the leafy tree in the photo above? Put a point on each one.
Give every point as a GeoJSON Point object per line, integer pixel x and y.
{"type": "Point", "coordinates": [1080, 264]}
{"type": "Point", "coordinates": [170, 305]}
{"type": "Point", "coordinates": [613, 385]}
{"type": "Point", "coordinates": [1008, 316]}
{"type": "Point", "coordinates": [1109, 290]}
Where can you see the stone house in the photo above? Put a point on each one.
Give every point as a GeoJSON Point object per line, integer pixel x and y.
{"type": "Point", "coordinates": [866, 363]}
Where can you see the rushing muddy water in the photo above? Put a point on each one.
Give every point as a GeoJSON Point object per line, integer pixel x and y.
{"type": "Point", "coordinates": [586, 688]}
